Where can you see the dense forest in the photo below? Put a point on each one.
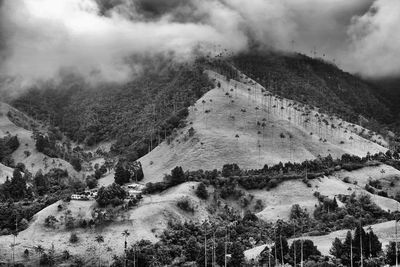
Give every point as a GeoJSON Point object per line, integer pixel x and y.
{"type": "Point", "coordinates": [137, 115]}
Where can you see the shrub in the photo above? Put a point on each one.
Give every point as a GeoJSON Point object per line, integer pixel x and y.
{"type": "Point", "coordinates": [91, 182]}
{"type": "Point", "coordinates": [112, 194]}
{"type": "Point", "coordinates": [177, 176]}
{"type": "Point", "coordinates": [45, 259]}
{"type": "Point", "coordinates": [230, 170]}
{"type": "Point", "coordinates": [152, 188]}
{"type": "Point", "coordinates": [50, 221]}
{"type": "Point", "coordinates": [76, 163]}
{"type": "Point", "coordinates": [201, 191]}
{"type": "Point", "coordinates": [186, 205]}
{"type": "Point", "coordinates": [73, 238]}
{"type": "Point", "coordinates": [259, 206]}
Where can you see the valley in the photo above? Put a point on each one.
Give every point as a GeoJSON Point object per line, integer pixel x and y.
{"type": "Point", "coordinates": [236, 122]}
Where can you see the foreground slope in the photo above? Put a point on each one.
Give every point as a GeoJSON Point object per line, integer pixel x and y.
{"type": "Point", "coordinates": [146, 221]}
{"type": "Point", "coordinates": [243, 123]}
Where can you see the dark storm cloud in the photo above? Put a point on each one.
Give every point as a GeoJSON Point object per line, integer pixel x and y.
{"type": "Point", "coordinates": [96, 37]}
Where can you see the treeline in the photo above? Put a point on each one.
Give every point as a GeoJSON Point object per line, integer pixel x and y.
{"type": "Point", "coordinates": [271, 176]}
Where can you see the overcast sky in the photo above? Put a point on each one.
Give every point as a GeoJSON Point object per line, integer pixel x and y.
{"type": "Point", "coordinates": [38, 38]}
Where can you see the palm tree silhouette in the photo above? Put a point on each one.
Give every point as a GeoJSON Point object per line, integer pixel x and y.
{"type": "Point", "coordinates": [125, 234]}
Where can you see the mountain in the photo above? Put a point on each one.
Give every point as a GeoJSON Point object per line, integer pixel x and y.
{"type": "Point", "coordinates": [140, 114]}
{"type": "Point", "coordinates": [259, 134]}
{"type": "Point", "coordinates": [318, 83]}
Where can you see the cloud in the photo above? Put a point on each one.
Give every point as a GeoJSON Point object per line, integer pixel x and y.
{"type": "Point", "coordinates": [102, 39]}
{"type": "Point", "coordinates": [375, 41]}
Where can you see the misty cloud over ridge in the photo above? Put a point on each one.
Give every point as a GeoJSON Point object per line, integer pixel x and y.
{"type": "Point", "coordinates": [99, 38]}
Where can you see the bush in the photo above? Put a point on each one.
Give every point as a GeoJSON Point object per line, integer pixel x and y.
{"type": "Point", "coordinates": [50, 221]}
{"type": "Point", "coordinates": [186, 205]}
{"type": "Point", "coordinates": [230, 170]}
{"type": "Point", "coordinates": [201, 191]}
{"type": "Point", "coordinates": [91, 182]}
{"type": "Point", "coordinates": [152, 188]}
{"type": "Point", "coordinates": [259, 206]}
{"type": "Point", "coordinates": [112, 194]}
{"type": "Point", "coordinates": [73, 238]}
{"type": "Point", "coordinates": [76, 163]}
{"type": "Point", "coordinates": [177, 176]}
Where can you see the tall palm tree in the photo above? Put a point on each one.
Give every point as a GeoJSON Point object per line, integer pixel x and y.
{"type": "Point", "coordinates": [125, 234]}
{"type": "Point", "coordinates": [99, 239]}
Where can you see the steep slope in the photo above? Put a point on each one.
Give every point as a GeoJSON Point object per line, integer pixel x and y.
{"type": "Point", "coordinates": [26, 152]}
{"type": "Point", "coordinates": [241, 122]}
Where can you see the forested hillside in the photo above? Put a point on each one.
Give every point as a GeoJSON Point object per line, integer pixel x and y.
{"type": "Point", "coordinates": [317, 83]}
{"type": "Point", "coordinates": [137, 115]}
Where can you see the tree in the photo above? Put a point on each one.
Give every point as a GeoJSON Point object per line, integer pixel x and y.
{"type": "Point", "coordinates": [374, 247]}
{"type": "Point", "coordinates": [348, 249]}
{"type": "Point", "coordinates": [73, 238]}
{"type": "Point", "coordinates": [139, 175]}
{"type": "Point", "coordinates": [39, 250]}
{"type": "Point", "coordinates": [230, 170]}
{"type": "Point", "coordinates": [125, 234]}
{"type": "Point", "coordinates": [360, 236]}
{"type": "Point", "coordinates": [97, 174]}
{"type": "Point", "coordinates": [41, 142]}
{"type": "Point", "coordinates": [297, 213]}
{"type": "Point", "coordinates": [91, 182]}
{"type": "Point", "coordinates": [201, 191]}
{"type": "Point", "coordinates": [390, 257]}
{"type": "Point", "coordinates": [308, 249]}
{"type": "Point", "coordinates": [50, 221]}
{"type": "Point", "coordinates": [40, 183]}
{"type": "Point", "coordinates": [76, 164]}
{"type": "Point", "coordinates": [177, 176]}
{"type": "Point", "coordinates": [18, 186]}
{"type": "Point", "coordinates": [121, 176]}
{"type": "Point", "coordinates": [281, 246]}
{"type": "Point", "coordinates": [337, 248]}
{"type": "Point", "coordinates": [192, 249]}
{"type": "Point", "coordinates": [237, 255]}
{"type": "Point", "coordinates": [112, 194]}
